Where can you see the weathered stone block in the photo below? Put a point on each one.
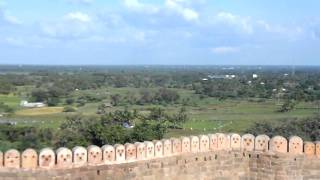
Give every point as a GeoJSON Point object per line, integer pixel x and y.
{"type": "Point", "coordinates": [247, 142]}
{"type": "Point", "coordinates": [131, 152]}
{"type": "Point", "coordinates": [29, 159]}
{"type": "Point", "coordinates": [158, 148]}
{"type": "Point", "coordinates": [204, 143]}
{"type": "Point", "coordinates": [279, 144]}
{"type": "Point", "coordinates": [94, 155]}
{"type": "Point", "coordinates": [80, 156]}
{"type": "Point", "coordinates": [185, 144]}
{"type": "Point", "coordinates": [108, 155]}
{"type": "Point", "coordinates": [295, 145]}
{"type": "Point", "coordinates": [262, 143]}
{"type": "Point", "coordinates": [12, 159]}
{"type": "Point", "coordinates": [47, 158]}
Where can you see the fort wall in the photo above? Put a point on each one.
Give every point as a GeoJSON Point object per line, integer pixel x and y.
{"type": "Point", "coordinates": [214, 156]}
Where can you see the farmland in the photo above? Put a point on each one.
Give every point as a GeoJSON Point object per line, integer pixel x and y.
{"type": "Point", "coordinates": [103, 105]}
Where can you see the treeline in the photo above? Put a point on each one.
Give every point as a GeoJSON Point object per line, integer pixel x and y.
{"type": "Point", "coordinates": [111, 128]}
{"type": "Point", "coordinates": [146, 96]}
{"type": "Point", "coordinates": [308, 128]}
{"type": "Point", "coordinates": [52, 84]}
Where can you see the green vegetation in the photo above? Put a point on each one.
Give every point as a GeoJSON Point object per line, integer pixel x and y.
{"type": "Point", "coordinates": [98, 105]}
{"type": "Point", "coordinates": [308, 128]}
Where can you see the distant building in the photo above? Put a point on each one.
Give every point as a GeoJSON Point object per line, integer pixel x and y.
{"type": "Point", "coordinates": [26, 104]}
{"type": "Point", "coordinates": [227, 76]}
{"type": "Point", "coordinates": [255, 76]}
{"type": "Point", "coordinates": [107, 105]}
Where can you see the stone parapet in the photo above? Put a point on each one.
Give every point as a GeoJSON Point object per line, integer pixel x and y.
{"type": "Point", "coordinates": [214, 156]}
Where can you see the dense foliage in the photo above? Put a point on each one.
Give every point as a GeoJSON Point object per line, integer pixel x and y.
{"type": "Point", "coordinates": [308, 128]}
{"type": "Point", "coordinates": [111, 128]}
{"type": "Point", "coordinates": [58, 82]}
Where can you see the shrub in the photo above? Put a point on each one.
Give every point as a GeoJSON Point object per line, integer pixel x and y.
{"type": "Point", "coordinates": [69, 109]}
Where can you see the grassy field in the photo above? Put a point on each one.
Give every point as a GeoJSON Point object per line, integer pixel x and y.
{"type": "Point", "coordinates": [39, 111]}
{"type": "Point", "coordinates": [10, 100]}
{"type": "Point", "coordinates": [206, 115]}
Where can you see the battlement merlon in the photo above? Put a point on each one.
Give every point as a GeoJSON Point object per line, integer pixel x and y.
{"type": "Point", "coordinates": [64, 158]}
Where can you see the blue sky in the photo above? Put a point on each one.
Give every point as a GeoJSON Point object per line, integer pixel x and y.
{"type": "Point", "coordinates": [187, 32]}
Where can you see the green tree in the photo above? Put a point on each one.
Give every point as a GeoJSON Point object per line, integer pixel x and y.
{"type": "Point", "coordinates": [115, 99]}
{"type": "Point", "coordinates": [179, 118]}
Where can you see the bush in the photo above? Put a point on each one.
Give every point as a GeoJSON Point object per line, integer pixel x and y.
{"type": "Point", "coordinates": [69, 109]}
{"type": "Point", "coordinates": [69, 101]}
{"type": "Point", "coordinates": [53, 101]}
{"type": "Point", "coordinates": [5, 108]}
{"type": "Point", "coordinates": [307, 128]}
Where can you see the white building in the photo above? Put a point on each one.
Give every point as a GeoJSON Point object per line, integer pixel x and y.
{"type": "Point", "coordinates": [254, 76]}
{"type": "Point", "coordinates": [26, 104]}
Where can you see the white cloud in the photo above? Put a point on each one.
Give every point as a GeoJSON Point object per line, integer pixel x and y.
{"type": "Point", "coordinates": [136, 5]}
{"type": "Point", "coordinates": [15, 42]}
{"type": "Point", "coordinates": [86, 2]}
{"type": "Point", "coordinates": [225, 50]}
{"type": "Point", "coordinates": [243, 23]}
{"type": "Point", "coordinates": [179, 6]}
{"type": "Point", "coordinates": [70, 26]}
{"type": "Point", "coordinates": [8, 19]}
{"type": "Point", "coordinates": [78, 16]}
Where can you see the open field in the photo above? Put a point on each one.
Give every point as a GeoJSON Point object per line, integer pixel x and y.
{"type": "Point", "coordinates": [39, 111]}
{"type": "Point", "coordinates": [206, 115]}
{"type": "Point", "coordinates": [237, 116]}
{"type": "Point", "coordinates": [10, 100]}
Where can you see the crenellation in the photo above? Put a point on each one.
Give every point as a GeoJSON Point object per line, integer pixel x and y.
{"type": "Point", "coordinates": [141, 150]}
{"type": "Point", "coordinates": [235, 141]}
{"type": "Point", "coordinates": [29, 159]}
{"type": "Point", "coordinates": [12, 159]}
{"type": "Point", "coordinates": [47, 158]}
{"type": "Point", "coordinates": [167, 147]}
{"type": "Point", "coordinates": [64, 158]}
{"type": "Point", "coordinates": [204, 143]}
{"type": "Point", "coordinates": [295, 145]}
{"type": "Point", "coordinates": [247, 142]}
{"type": "Point", "coordinates": [317, 149]}
{"type": "Point", "coordinates": [195, 144]}
{"type": "Point", "coordinates": [131, 152]}
{"type": "Point", "coordinates": [158, 148]}
{"type": "Point", "coordinates": [223, 142]}
{"type": "Point", "coordinates": [262, 143]}
{"type": "Point", "coordinates": [149, 149]}
{"type": "Point", "coordinates": [94, 155]}
{"type": "Point", "coordinates": [211, 157]}
{"type": "Point", "coordinates": [176, 146]}
{"type": "Point", "coordinates": [80, 156]}
{"type": "Point", "coordinates": [120, 153]}
{"type": "Point", "coordinates": [186, 148]}
{"type": "Point", "coordinates": [213, 142]}
{"type": "Point", "coordinates": [278, 144]}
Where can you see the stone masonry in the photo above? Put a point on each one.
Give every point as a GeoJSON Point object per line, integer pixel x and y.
{"type": "Point", "coordinates": [282, 159]}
